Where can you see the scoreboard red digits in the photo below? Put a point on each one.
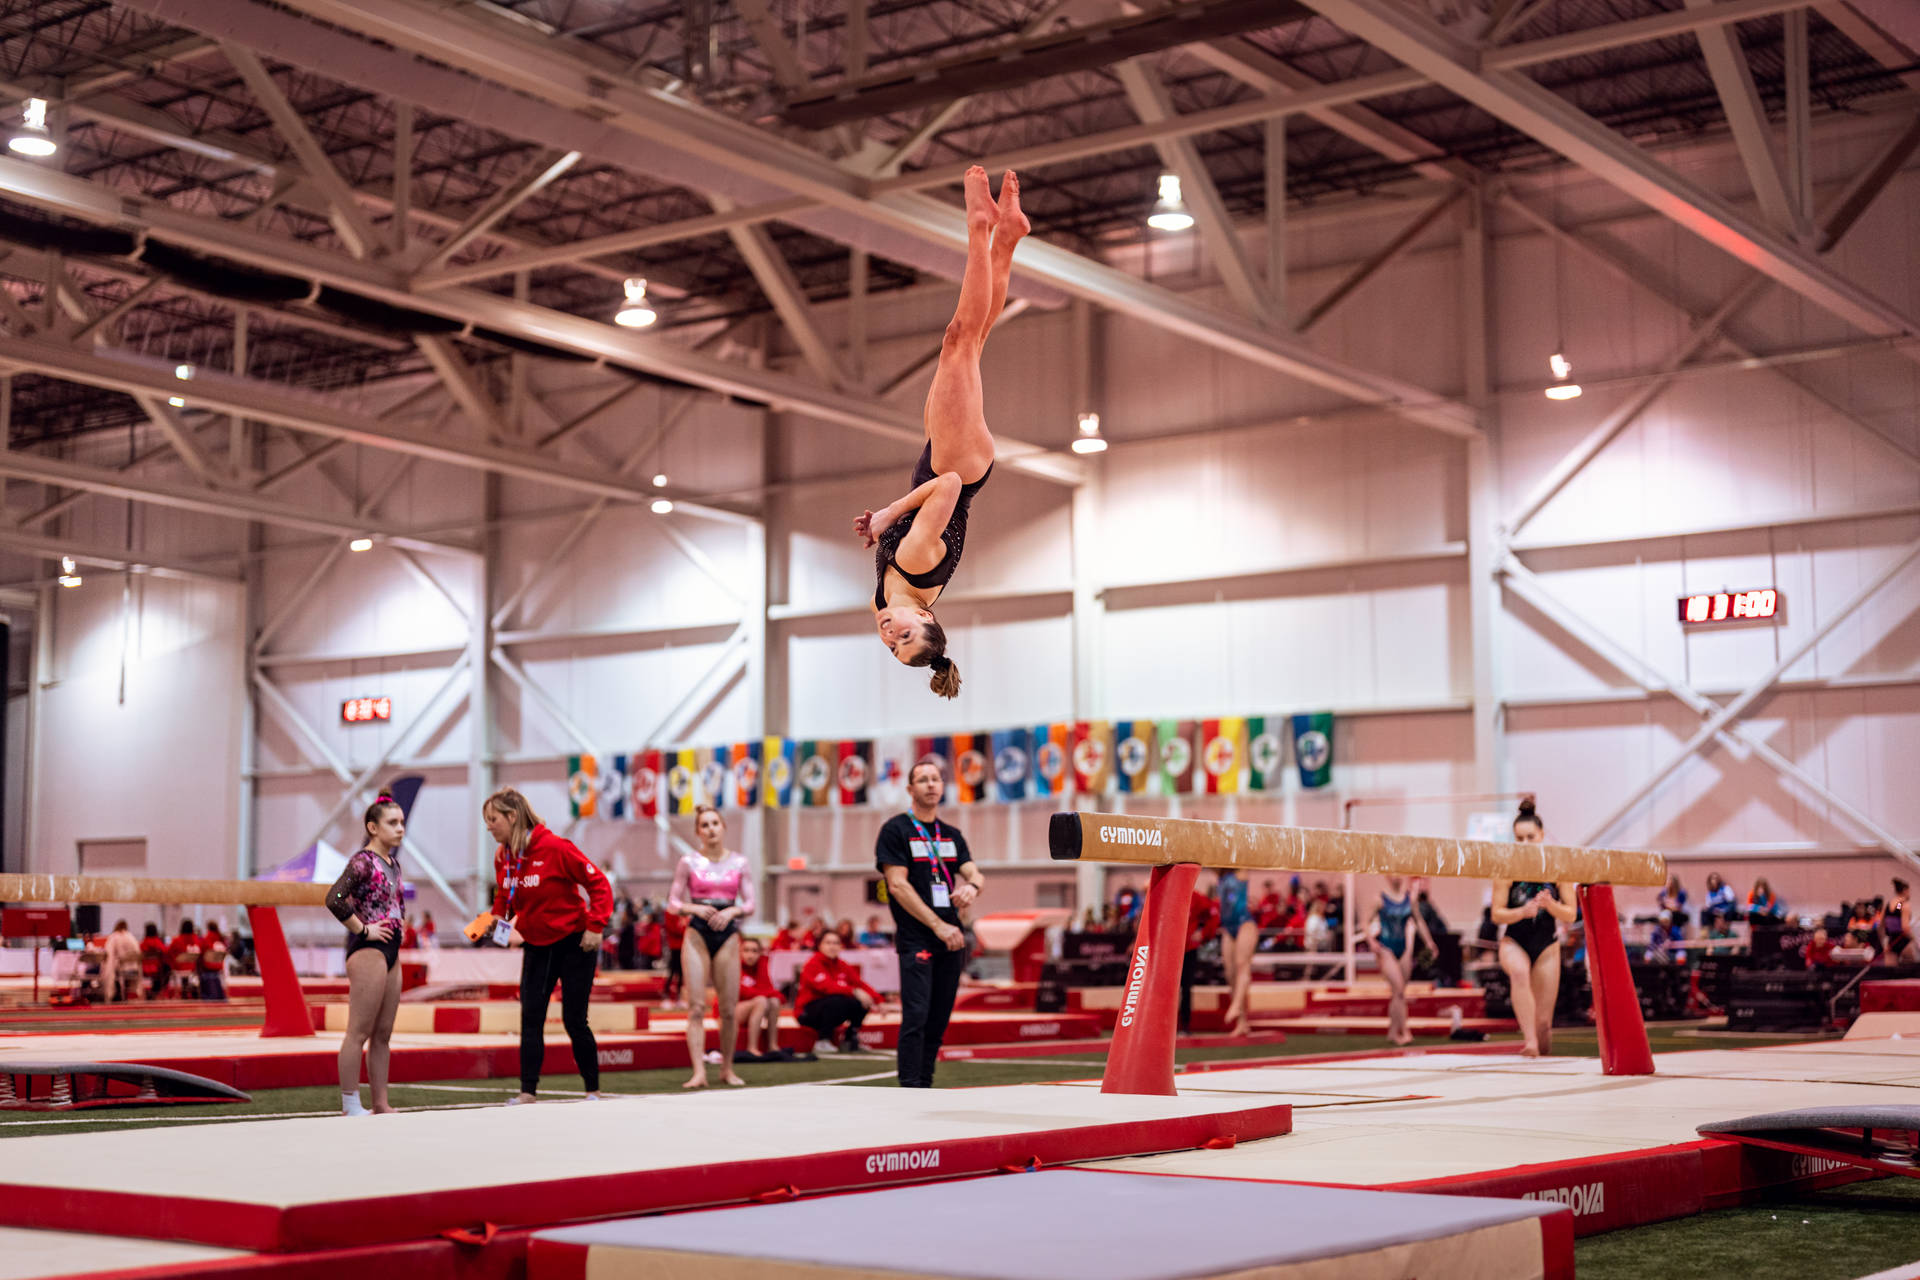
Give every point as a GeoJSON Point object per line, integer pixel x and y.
{"type": "Point", "coordinates": [1759, 605]}
{"type": "Point", "coordinates": [365, 710]}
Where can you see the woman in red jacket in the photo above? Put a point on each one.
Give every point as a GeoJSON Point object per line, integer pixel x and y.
{"type": "Point", "coordinates": [759, 1005]}
{"type": "Point", "coordinates": [833, 996]}
{"type": "Point", "coordinates": [539, 880]}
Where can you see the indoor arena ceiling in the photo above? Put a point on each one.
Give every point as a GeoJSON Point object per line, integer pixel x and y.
{"type": "Point", "coordinates": [150, 107]}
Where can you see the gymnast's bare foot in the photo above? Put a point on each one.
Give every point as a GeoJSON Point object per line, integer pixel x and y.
{"type": "Point", "coordinates": [982, 213]}
{"type": "Point", "coordinates": [1013, 223]}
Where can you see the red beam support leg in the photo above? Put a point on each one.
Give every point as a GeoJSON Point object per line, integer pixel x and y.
{"type": "Point", "coordinates": [286, 1002]}
{"type": "Point", "coordinates": [1616, 1002]}
{"type": "Point", "coordinates": [1141, 1059]}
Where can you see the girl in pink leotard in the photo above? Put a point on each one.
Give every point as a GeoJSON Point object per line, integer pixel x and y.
{"type": "Point", "coordinates": [714, 890]}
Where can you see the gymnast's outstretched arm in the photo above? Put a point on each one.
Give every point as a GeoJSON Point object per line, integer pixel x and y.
{"type": "Point", "coordinates": [937, 495]}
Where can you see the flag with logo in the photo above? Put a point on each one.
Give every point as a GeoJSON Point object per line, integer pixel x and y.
{"type": "Point", "coordinates": [937, 749]}
{"type": "Point", "coordinates": [743, 770]}
{"type": "Point", "coordinates": [855, 772]}
{"type": "Point", "coordinates": [1223, 754]}
{"type": "Point", "coordinates": [1012, 764]}
{"type": "Point", "coordinates": [1313, 748]}
{"type": "Point", "coordinates": [683, 780]}
{"type": "Point", "coordinates": [1092, 757]}
{"type": "Point", "coordinates": [716, 776]}
{"type": "Point", "coordinates": [1133, 758]}
{"type": "Point", "coordinates": [1052, 746]}
{"type": "Point", "coordinates": [583, 786]}
{"type": "Point", "coordinates": [1266, 754]}
{"type": "Point", "coordinates": [644, 786]}
{"type": "Point", "coordinates": [972, 767]}
{"type": "Point", "coordinates": [613, 790]}
{"type": "Point", "coordinates": [1176, 756]}
{"type": "Point", "coordinates": [892, 758]}
{"type": "Point", "coordinates": [818, 760]}
{"type": "Point", "coordinates": [777, 773]}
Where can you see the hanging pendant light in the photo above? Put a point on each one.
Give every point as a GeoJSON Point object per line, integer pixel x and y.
{"type": "Point", "coordinates": [31, 137]}
{"type": "Point", "coordinates": [1169, 211]}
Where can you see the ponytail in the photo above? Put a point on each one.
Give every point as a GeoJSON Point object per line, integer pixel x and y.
{"type": "Point", "coordinates": [933, 653]}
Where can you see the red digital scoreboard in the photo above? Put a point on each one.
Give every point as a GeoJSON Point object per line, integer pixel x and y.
{"type": "Point", "coordinates": [1759, 605]}
{"type": "Point", "coordinates": [366, 710]}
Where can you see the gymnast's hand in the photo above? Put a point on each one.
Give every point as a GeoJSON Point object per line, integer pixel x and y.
{"type": "Point", "coordinates": [380, 931]}
{"type": "Point", "coordinates": [863, 528]}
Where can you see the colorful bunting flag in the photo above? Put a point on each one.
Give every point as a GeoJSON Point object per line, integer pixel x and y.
{"type": "Point", "coordinates": [613, 790]}
{"type": "Point", "coordinates": [1313, 748]}
{"type": "Point", "coordinates": [1223, 754]}
{"type": "Point", "coordinates": [972, 767]}
{"type": "Point", "coordinates": [583, 786]}
{"type": "Point", "coordinates": [815, 773]}
{"type": "Point", "coordinates": [1265, 754]}
{"type": "Point", "coordinates": [777, 788]}
{"type": "Point", "coordinates": [715, 767]}
{"type": "Point", "coordinates": [1012, 764]}
{"type": "Point", "coordinates": [743, 768]}
{"type": "Point", "coordinates": [1052, 744]}
{"type": "Point", "coordinates": [683, 779]}
{"type": "Point", "coordinates": [892, 757]}
{"type": "Point", "coordinates": [1176, 757]}
{"type": "Point", "coordinates": [937, 749]}
{"type": "Point", "coordinates": [855, 772]}
{"type": "Point", "coordinates": [1134, 763]}
{"type": "Point", "coordinates": [1092, 757]}
{"type": "Point", "coordinates": [644, 787]}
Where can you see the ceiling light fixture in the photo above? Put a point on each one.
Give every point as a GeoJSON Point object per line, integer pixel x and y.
{"type": "Point", "coordinates": [662, 506]}
{"type": "Point", "coordinates": [1562, 370]}
{"type": "Point", "coordinates": [1169, 211]}
{"type": "Point", "coordinates": [176, 402]}
{"type": "Point", "coordinates": [635, 314]}
{"type": "Point", "coordinates": [360, 544]}
{"type": "Point", "coordinates": [69, 576]}
{"type": "Point", "coordinates": [660, 480]}
{"type": "Point", "coordinates": [1089, 439]}
{"type": "Point", "coordinates": [32, 137]}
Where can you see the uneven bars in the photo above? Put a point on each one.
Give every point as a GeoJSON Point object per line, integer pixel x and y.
{"type": "Point", "coordinates": [1113, 837]}
{"type": "Point", "coordinates": [211, 893]}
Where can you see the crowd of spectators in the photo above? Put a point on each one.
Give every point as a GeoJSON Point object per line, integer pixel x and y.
{"type": "Point", "coordinates": [1867, 930]}
{"type": "Point", "coordinates": [1296, 919]}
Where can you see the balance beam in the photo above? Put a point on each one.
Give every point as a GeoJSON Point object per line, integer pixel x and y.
{"type": "Point", "coordinates": [287, 1013]}
{"type": "Point", "coordinates": [1141, 1059]}
{"type": "Point", "coordinates": [1113, 837]}
{"type": "Point", "coordinates": [211, 893]}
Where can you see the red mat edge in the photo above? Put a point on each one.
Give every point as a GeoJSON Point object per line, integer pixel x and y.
{"type": "Point", "coordinates": [347, 1223]}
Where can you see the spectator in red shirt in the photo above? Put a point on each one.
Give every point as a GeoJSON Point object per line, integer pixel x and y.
{"type": "Point", "coordinates": [410, 939]}
{"type": "Point", "coordinates": [1203, 921]}
{"type": "Point", "coordinates": [559, 903]}
{"type": "Point", "coordinates": [648, 940]}
{"type": "Point", "coordinates": [1267, 912]}
{"type": "Point", "coordinates": [759, 1005]}
{"type": "Point", "coordinates": [673, 935]}
{"type": "Point", "coordinates": [213, 964]}
{"type": "Point", "coordinates": [153, 961]}
{"type": "Point", "coordinates": [833, 996]}
{"type": "Point", "coordinates": [183, 957]}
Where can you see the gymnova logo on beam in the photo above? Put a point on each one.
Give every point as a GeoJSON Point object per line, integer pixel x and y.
{"type": "Point", "coordinates": [1585, 1199]}
{"type": "Point", "coordinates": [1132, 835]}
{"type": "Point", "coordinates": [904, 1161]}
{"type": "Point", "coordinates": [1135, 980]}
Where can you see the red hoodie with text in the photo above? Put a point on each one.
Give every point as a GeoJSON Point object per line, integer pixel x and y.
{"type": "Point", "coordinates": [540, 890]}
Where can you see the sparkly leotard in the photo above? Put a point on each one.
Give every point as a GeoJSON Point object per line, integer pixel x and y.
{"type": "Point", "coordinates": [717, 884]}
{"type": "Point", "coordinates": [887, 542]}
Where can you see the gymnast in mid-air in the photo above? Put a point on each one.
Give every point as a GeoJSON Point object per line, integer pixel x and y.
{"type": "Point", "coordinates": [917, 539]}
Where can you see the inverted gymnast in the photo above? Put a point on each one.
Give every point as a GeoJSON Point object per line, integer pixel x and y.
{"type": "Point", "coordinates": [1394, 951]}
{"type": "Point", "coordinates": [713, 889]}
{"type": "Point", "coordinates": [918, 539]}
{"type": "Point", "coordinates": [1530, 951]}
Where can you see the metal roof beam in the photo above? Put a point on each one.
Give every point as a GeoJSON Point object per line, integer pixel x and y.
{"type": "Point", "coordinates": [718, 152]}
{"type": "Point", "coordinates": [1526, 105]}
{"type": "Point", "coordinates": [1746, 118]}
{"type": "Point", "coordinates": [540, 173]}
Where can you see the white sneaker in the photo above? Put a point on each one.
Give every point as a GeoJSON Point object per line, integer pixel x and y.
{"type": "Point", "coordinates": [825, 1045]}
{"type": "Point", "coordinates": [713, 1057]}
{"type": "Point", "coordinates": [514, 1101]}
{"type": "Point", "coordinates": [593, 1097]}
{"type": "Point", "coordinates": [351, 1107]}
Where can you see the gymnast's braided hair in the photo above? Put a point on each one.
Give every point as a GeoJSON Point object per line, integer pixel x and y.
{"type": "Point", "coordinates": [946, 676]}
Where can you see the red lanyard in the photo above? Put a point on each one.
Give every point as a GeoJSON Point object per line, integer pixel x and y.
{"type": "Point", "coordinates": [933, 849]}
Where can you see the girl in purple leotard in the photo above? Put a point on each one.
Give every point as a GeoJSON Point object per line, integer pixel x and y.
{"type": "Point", "coordinates": [714, 890]}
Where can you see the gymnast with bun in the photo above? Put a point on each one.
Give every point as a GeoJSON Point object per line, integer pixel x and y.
{"type": "Point", "coordinates": [1530, 950]}
{"type": "Point", "coordinates": [918, 538]}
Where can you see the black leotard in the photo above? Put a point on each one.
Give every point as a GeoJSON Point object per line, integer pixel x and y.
{"type": "Point", "coordinates": [1536, 933]}
{"type": "Point", "coordinates": [888, 542]}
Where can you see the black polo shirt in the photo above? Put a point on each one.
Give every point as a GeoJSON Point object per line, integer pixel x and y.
{"type": "Point", "coordinates": [900, 845]}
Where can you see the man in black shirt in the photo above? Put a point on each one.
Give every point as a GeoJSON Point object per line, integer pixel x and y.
{"type": "Point", "coordinates": [931, 879]}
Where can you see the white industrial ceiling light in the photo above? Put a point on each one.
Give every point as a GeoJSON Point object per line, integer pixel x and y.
{"type": "Point", "coordinates": [635, 313]}
{"type": "Point", "coordinates": [1170, 211]}
{"type": "Point", "coordinates": [31, 137]}
{"type": "Point", "coordinates": [1089, 439]}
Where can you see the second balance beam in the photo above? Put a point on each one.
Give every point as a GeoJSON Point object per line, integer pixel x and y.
{"type": "Point", "coordinates": [1113, 837]}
